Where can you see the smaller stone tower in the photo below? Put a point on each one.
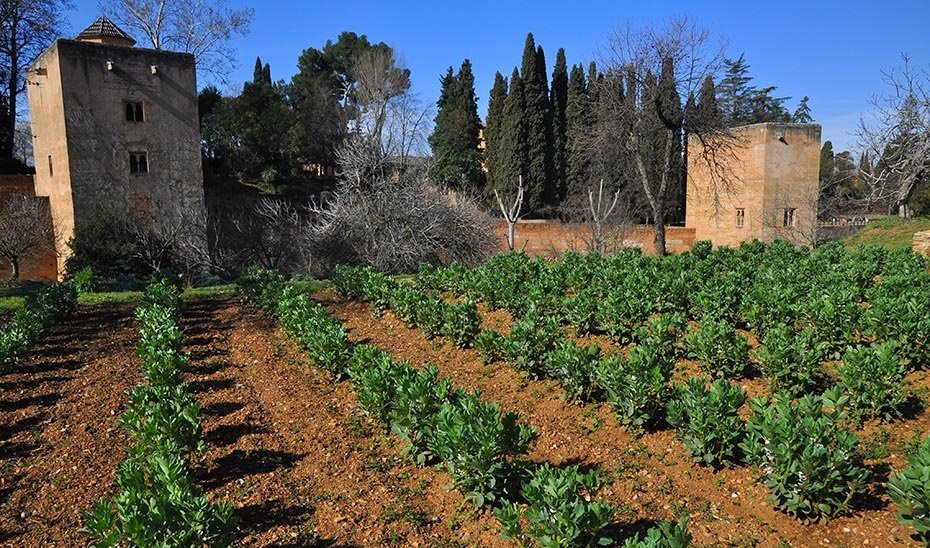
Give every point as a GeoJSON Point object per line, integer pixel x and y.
{"type": "Point", "coordinates": [115, 127]}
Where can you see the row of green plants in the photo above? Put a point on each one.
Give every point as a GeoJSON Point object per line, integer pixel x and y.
{"type": "Point", "coordinates": [844, 298]}
{"type": "Point", "coordinates": [156, 503]}
{"type": "Point", "coordinates": [481, 447]}
{"type": "Point", "coordinates": [803, 451]}
{"type": "Point", "coordinates": [40, 311]}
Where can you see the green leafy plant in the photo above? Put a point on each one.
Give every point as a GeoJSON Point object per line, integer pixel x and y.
{"type": "Point", "coordinates": [580, 311]}
{"type": "Point", "coordinates": [86, 280]}
{"type": "Point", "coordinates": [574, 366]}
{"type": "Point", "coordinates": [807, 460]}
{"type": "Point", "coordinates": [529, 342]}
{"type": "Point", "coordinates": [261, 286]}
{"type": "Point", "coordinates": [461, 323]}
{"type": "Point", "coordinates": [721, 350]}
{"type": "Point", "coordinates": [349, 281]}
{"type": "Point", "coordinates": [560, 511]}
{"type": "Point", "coordinates": [476, 443]}
{"type": "Point", "coordinates": [707, 419]}
{"type": "Point", "coordinates": [665, 535]}
{"type": "Point", "coordinates": [413, 416]}
{"type": "Point", "coordinates": [910, 490]}
{"type": "Point", "coordinates": [791, 361]}
{"type": "Point", "coordinates": [490, 345]}
{"type": "Point", "coordinates": [375, 378]}
{"type": "Point", "coordinates": [873, 376]}
{"type": "Point", "coordinates": [637, 387]}
{"type": "Point", "coordinates": [430, 315]}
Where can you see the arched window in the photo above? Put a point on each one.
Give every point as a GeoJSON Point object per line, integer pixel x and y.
{"type": "Point", "coordinates": [140, 115]}
{"type": "Point", "coordinates": [138, 163]}
{"type": "Point", "coordinates": [135, 111]}
{"type": "Point", "coordinates": [130, 113]}
{"type": "Point", "coordinates": [133, 164]}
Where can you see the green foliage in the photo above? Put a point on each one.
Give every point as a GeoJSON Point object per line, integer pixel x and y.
{"type": "Point", "coordinates": [873, 377]}
{"type": "Point", "coordinates": [39, 312]}
{"type": "Point", "coordinates": [323, 338]}
{"type": "Point", "coordinates": [454, 140]}
{"type": "Point", "coordinates": [419, 398]}
{"type": "Point", "coordinates": [791, 361]}
{"type": "Point", "coordinates": [475, 442]}
{"type": "Point", "coordinates": [86, 280]}
{"type": "Point", "coordinates": [375, 378]}
{"type": "Point", "coordinates": [490, 344]}
{"type": "Point", "coordinates": [665, 535]}
{"type": "Point", "coordinates": [637, 387]}
{"type": "Point", "coordinates": [707, 419]}
{"type": "Point", "coordinates": [560, 511]}
{"type": "Point", "coordinates": [581, 311]}
{"type": "Point", "coordinates": [575, 367]}
{"type": "Point", "coordinates": [806, 459]}
{"type": "Point", "coordinates": [910, 490]}
{"type": "Point", "coordinates": [721, 350]}
{"type": "Point", "coordinates": [529, 342]}
{"type": "Point", "coordinates": [158, 415]}
{"type": "Point", "coordinates": [461, 323]}
{"type": "Point", "coordinates": [430, 315]}
{"type": "Point", "coordinates": [107, 243]}
{"type": "Point", "coordinates": [261, 286]}
{"type": "Point", "coordinates": [349, 281]}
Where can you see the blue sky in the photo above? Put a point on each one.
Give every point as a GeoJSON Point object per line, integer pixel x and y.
{"type": "Point", "coordinates": [833, 52]}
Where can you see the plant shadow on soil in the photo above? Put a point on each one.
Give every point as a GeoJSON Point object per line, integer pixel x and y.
{"type": "Point", "coordinates": [267, 515]}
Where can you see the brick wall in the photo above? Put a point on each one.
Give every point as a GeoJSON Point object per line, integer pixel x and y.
{"type": "Point", "coordinates": [42, 266]}
{"type": "Point", "coordinates": [552, 238]}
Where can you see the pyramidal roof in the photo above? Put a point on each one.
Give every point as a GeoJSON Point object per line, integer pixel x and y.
{"type": "Point", "coordinates": [104, 29]}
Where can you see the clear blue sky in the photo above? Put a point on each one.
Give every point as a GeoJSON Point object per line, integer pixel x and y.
{"type": "Point", "coordinates": [833, 52]}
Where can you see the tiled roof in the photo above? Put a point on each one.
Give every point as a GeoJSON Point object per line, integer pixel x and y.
{"type": "Point", "coordinates": [103, 27]}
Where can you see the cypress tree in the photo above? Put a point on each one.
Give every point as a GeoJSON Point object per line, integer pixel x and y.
{"type": "Point", "coordinates": [493, 130]}
{"type": "Point", "coordinates": [559, 94]}
{"type": "Point", "coordinates": [826, 162]}
{"type": "Point", "coordinates": [266, 74]}
{"type": "Point", "coordinates": [455, 136]}
{"type": "Point", "coordinates": [257, 72]}
{"type": "Point", "coordinates": [706, 113]}
{"type": "Point", "coordinates": [670, 113]}
{"type": "Point", "coordinates": [577, 112]}
{"type": "Point", "coordinates": [536, 117]}
{"type": "Point", "coordinates": [513, 145]}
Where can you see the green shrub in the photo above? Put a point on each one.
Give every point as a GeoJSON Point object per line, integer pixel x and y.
{"type": "Point", "coordinates": [349, 281]}
{"type": "Point", "coordinates": [404, 304]}
{"type": "Point", "coordinates": [637, 387]}
{"type": "Point", "coordinates": [661, 334]}
{"type": "Point", "coordinates": [430, 315]}
{"type": "Point", "coordinates": [910, 490]}
{"type": "Point", "coordinates": [580, 311]}
{"type": "Point", "coordinates": [86, 280]}
{"type": "Point", "coordinates": [159, 414]}
{"type": "Point", "coordinates": [461, 323]}
{"type": "Point", "coordinates": [107, 243]}
{"type": "Point", "coordinates": [413, 416]}
{"type": "Point", "coordinates": [15, 341]}
{"type": "Point", "coordinates": [722, 351]}
{"type": "Point", "coordinates": [707, 419]}
{"type": "Point", "coordinates": [560, 511]}
{"type": "Point", "coordinates": [261, 286]}
{"type": "Point", "coordinates": [873, 376]}
{"type": "Point", "coordinates": [375, 378]}
{"type": "Point", "coordinates": [575, 367]}
{"type": "Point", "coordinates": [377, 290]}
{"type": "Point", "coordinates": [476, 443]}
{"type": "Point", "coordinates": [529, 342]}
{"type": "Point", "coordinates": [791, 361]}
{"type": "Point", "coordinates": [490, 345]}
{"type": "Point", "coordinates": [665, 535]}
{"type": "Point", "coordinates": [808, 462]}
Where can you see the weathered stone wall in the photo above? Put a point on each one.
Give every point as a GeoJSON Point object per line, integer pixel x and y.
{"type": "Point", "coordinates": [552, 238]}
{"type": "Point", "coordinates": [769, 168]}
{"type": "Point", "coordinates": [77, 104]}
{"type": "Point", "coordinates": [922, 243]}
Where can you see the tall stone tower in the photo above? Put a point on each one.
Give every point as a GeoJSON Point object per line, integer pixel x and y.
{"type": "Point", "coordinates": [765, 186]}
{"type": "Point", "coordinates": [115, 127]}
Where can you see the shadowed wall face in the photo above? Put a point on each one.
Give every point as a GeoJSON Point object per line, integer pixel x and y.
{"type": "Point", "coordinates": [771, 189]}
{"type": "Point", "coordinates": [42, 266]}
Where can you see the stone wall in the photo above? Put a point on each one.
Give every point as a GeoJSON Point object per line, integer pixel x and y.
{"type": "Point", "coordinates": [922, 243]}
{"type": "Point", "coordinates": [42, 266]}
{"type": "Point", "coordinates": [552, 238]}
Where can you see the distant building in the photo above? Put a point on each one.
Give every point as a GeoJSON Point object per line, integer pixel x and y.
{"type": "Point", "coordinates": [768, 189]}
{"type": "Point", "coordinates": [115, 127]}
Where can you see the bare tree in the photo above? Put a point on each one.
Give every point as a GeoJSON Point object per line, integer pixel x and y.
{"type": "Point", "coordinates": [643, 122]}
{"type": "Point", "coordinates": [25, 230]}
{"type": "Point", "coordinates": [204, 28]}
{"type": "Point", "coordinates": [513, 214]}
{"type": "Point", "coordinates": [898, 134]}
{"type": "Point", "coordinates": [600, 212]}
{"type": "Point", "coordinates": [26, 28]}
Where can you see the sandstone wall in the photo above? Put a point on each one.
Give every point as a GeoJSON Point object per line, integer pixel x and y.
{"type": "Point", "coordinates": [552, 238]}
{"type": "Point", "coordinates": [922, 243]}
{"type": "Point", "coordinates": [42, 266]}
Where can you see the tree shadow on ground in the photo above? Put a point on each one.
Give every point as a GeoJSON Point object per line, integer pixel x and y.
{"type": "Point", "coordinates": [221, 408]}
{"type": "Point", "coordinates": [241, 463]}
{"type": "Point", "coordinates": [208, 385]}
{"type": "Point", "coordinates": [42, 400]}
{"type": "Point", "coordinates": [229, 434]}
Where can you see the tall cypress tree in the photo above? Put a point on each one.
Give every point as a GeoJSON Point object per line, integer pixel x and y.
{"type": "Point", "coordinates": [536, 118]}
{"type": "Point", "coordinates": [706, 113]}
{"type": "Point", "coordinates": [455, 136]}
{"type": "Point", "coordinates": [577, 112]}
{"type": "Point", "coordinates": [670, 112]}
{"type": "Point", "coordinates": [514, 143]}
{"type": "Point", "coordinates": [266, 73]}
{"type": "Point", "coordinates": [493, 131]}
{"type": "Point", "coordinates": [826, 162]}
{"type": "Point", "coordinates": [559, 101]}
{"type": "Point", "coordinates": [258, 71]}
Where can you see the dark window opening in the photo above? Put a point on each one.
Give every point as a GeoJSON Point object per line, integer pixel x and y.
{"type": "Point", "coordinates": [740, 217]}
{"type": "Point", "coordinates": [788, 220]}
{"type": "Point", "coordinates": [51, 171]}
{"type": "Point", "coordinates": [138, 162]}
{"type": "Point", "coordinates": [135, 112]}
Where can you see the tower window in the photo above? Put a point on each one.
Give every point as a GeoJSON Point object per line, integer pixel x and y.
{"type": "Point", "coordinates": [138, 163]}
{"type": "Point", "coordinates": [51, 170]}
{"type": "Point", "coordinates": [740, 217]}
{"type": "Point", "coordinates": [135, 112]}
{"type": "Point", "coordinates": [788, 220]}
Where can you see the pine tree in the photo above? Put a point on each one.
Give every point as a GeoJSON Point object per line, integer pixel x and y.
{"type": "Point", "coordinates": [802, 115]}
{"type": "Point", "coordinates": [734, 92]}
{"type": "Point", "coordinates": [577, 113]}
{"type": "Point", "coordinates": [514, 143]}
{"type": "Point", "coordinates": [559, 94]}
{"type": "Point", "coordinates": [493, 133]}
{"type": "Point", "coordinates": [455, 136]}
{"type": "Point", "coordinates": [536, 118]}
{"type": "Point", "coordinates": [826, 162]}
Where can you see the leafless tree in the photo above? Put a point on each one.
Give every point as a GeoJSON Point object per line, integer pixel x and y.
{"type": "Point", "coordinates": [600, 212]}
{"type": "Point", "coordinates": [513, 214]}
{"type": "Point", "coordinates": [26, 28]}
{"type": "Point", "coordinates": [25, 230]}
{"type": "Point", "coordinates": [22, 143]}
{"type": "Point", "coordinates": [204, 28]}
{"type": "Point", "coordinates": [627, 121]}
{"type": "Point", "coordinates": [898, 133]}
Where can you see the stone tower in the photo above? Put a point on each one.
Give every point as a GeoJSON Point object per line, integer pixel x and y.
{"type": "Point", "coordinates": [115, 127]}
{"type": "Point", "coordinates": [767, 188]}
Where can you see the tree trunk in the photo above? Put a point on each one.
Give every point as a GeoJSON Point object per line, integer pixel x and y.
{"type": "Point", "coordinates": [660, 231]}
{"type": "Point", "coordinates": [14, 269]}
{"type": "Point", "coordinates": [511, 234]}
